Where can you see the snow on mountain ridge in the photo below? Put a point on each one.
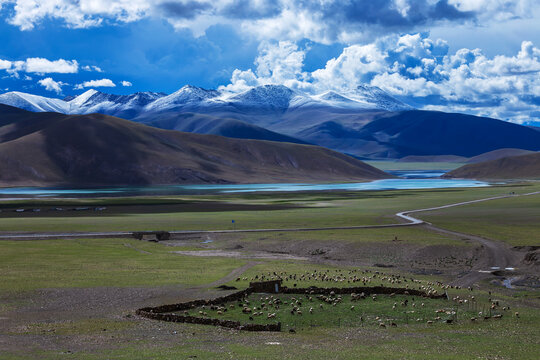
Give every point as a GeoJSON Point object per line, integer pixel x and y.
{"type": "Point", "coordinates": [33, 103]}
{"type": "Point", "coordinates": [188, 94]}
{"type": "Point", "coordinates": [269, 97]}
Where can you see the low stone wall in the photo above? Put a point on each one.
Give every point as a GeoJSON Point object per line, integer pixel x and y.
{"type": "Point", "coordinates": [163, 312]}
{"type": "Point", "coordinates": [375, 290]}
{"type": "Point", "coordinates": [208, 321]}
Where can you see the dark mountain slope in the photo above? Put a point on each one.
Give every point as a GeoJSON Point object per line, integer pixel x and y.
{"type": "Point", "coordinates": [438, 133]}
{"type": "Point", "coordinates": [207, 124]}
{"type": "Point", "coordinates": [53, 149]}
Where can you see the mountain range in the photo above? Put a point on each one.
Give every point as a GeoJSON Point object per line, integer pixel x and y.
{"type": "Point", "coordinates": [58, 149]}
{"type": "Point", "coordinates": [366, 122]}
{"type": "Point", "coordinates": [269, 98]}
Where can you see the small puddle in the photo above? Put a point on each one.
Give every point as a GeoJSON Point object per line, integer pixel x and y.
{"type": "Point", "coordinates": [508, 283]}
{"type": "Point", "coordinates": [207, 241]}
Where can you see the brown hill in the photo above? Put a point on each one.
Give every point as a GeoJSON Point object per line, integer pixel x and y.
{"type": "Point", "coordinates": [513, 167]}
{"type": "Point", "coordinates": [54, 149]}
{"type": "Point", "coordinates": [498, 154]}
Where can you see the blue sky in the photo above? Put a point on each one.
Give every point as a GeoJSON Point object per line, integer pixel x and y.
{"type": "Point", "coordinates": [474, 56]}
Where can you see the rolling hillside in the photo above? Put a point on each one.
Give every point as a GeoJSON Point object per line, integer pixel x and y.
{"type": "Point", "coordinates": [513, 167]}
{"type": "Point", "coordinates": [95, 149]}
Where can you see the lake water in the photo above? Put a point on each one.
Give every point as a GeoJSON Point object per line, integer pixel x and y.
{"type": "Point", "coordinates": [410, 181]}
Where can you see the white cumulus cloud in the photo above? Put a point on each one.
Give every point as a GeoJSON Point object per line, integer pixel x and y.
{"type": "Point", "coordinates": [76, 14]}
{"type": "Point", "coordinates": [414, 68]}
{"type": "Point", "coordinates": [95, 83]}
{"type": "Point", "coordinates": [126, 83]}
{"type": "Point", "coordinates": [5, 64]}
{"type": "Point", "coordinates": [277, 63]}
{"type": "Point", "coordinates": [92, 68]}
{"type": "Point", "coordinates": [51, 85]}
{"type": "Point", "coordinates": [40, 65]}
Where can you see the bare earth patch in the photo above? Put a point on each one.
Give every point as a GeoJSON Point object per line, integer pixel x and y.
{"type": "Point", "coordinates": [241, 255]}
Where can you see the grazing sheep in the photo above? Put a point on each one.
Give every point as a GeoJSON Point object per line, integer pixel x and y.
{"type": "Point", "coordinates": [516, 314]}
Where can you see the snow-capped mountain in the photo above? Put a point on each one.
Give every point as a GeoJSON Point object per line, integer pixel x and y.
{"type": "Point", "coordinates": [187, 96]}
{"type": "Point", "coordinates": [34, 103]}
{"type": "Point", "coordinates": [93, 101]}
{"type": "Point", "coordinates": [192, 98]}
{"type": "Point", "coordinates": [264, 97]}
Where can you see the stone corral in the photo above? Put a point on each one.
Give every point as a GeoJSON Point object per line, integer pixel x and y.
{"type": "Point", "coordinates": [166, 312]}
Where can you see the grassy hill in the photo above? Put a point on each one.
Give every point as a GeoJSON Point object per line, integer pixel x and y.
{"type": "Point", "coordinates": [95, 149]}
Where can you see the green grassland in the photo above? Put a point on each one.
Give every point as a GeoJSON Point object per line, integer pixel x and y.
{"type": "Point", "coordinates": [26, 267]}
{"type": "Point", "coordinates": [381, 236]}
{"type": "Point", "coordinates": [31, 265]}
{"type": "Point", "coordinates": [315, 210]}
{"type": "Point", "coordinates": [515, 221]}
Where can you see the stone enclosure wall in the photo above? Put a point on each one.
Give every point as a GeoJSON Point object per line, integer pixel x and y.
{"type": "Point", "coordinates": [164, 312]}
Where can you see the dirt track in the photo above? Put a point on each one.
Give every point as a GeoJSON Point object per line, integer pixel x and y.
{"type": "Point", "coordinates": [497, 254]}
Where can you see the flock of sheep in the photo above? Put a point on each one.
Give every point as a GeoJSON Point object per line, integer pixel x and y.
{"type": "Point", "coordinates": [269, 305]}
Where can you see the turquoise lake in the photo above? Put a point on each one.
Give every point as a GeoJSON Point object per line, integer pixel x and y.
{"type": "Point", "coordinates": [389, 184]}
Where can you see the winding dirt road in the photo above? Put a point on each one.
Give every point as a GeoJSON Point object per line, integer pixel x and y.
{"type": "Point", "coordinates": [497, 255]}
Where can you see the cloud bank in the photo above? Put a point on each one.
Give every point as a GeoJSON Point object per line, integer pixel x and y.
{"type": "Point", "coordinates": [323, 21]}
{"type": "Point", "coordinates": [416, 69]}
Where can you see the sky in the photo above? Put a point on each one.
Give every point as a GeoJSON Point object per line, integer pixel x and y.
{"type": "Point", "coordinates": [479, 57]}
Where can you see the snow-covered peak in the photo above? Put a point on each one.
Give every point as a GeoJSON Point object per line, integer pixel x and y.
{"type": "Point", "coordinates": [332, 98]}
{"type": "Point", "coordinates": [187, 95]}
{"type": "Point", "coordinates": [83, 98]}
{"type": "Point", "coordinates": [34, 103]}
{"type": "Point", "coordinates": [266, 96]}
{"type": "Point", "coordinates": [377, 98]}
